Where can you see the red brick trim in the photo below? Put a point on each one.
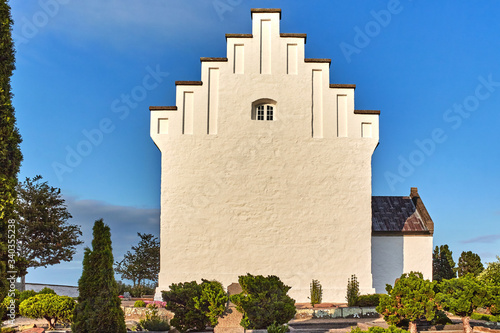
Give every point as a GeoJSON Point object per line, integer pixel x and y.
{"type": "Point", "coordinates": [163, 108]}
{"type": "Point", "coordinates": [188, 83]}
{"type": "Point", "coordinates": [209, 59]}
{"type": "Point", "coordinates": [340, 85]}
{"type": "Point", "coordinates": [265, 10]}
{"type": "Point", "coordinates": [366, 111]}
{"type": "Point", "coordinates": [291, 35]}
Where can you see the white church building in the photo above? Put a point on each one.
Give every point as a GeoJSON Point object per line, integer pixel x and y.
{"type": "Point", "coordinates": [266, 169]}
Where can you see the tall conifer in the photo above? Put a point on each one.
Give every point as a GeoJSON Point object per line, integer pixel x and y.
{"type": "Point", "coordinates": [98, 308]}
{"type": "Point", "coordinates": [10, 153]}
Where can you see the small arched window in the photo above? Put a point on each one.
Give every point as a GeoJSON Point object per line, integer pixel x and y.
{"type": "Point", "coordinates": [264, 109]}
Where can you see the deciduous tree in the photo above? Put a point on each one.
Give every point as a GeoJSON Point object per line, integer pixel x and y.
{"type": "Point", "coordinates": [44, 235]}
{"type": "Point", "coordinates": [143, 262]}
{"type": "Point", "coordinates": [492, 273]}
{"type": "Point", "coordinates": [469, 262]}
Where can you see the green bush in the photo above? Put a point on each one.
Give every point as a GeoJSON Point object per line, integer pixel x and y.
{"type": "Point", "coordinates": [368, 300]}
{"type": "Point", "coordinates": [441, 318]}
{"type": "Point", "coordinates": [154, 322]}
{"type": "Point", "coordinates": [180, 300]}
{"type": "Point", "coordinates": [276, 328]}
{"type": "Point", "coordinates": [352, 290]}
{"type": "Point", "coordinates": [195, 305]}
{"type": "Point", "coordinates": [264, 300]}
{"type": "Point", "coordinates": [24, 295]}
{"type": "Point", "coordinates": [411, 299]}
{"type": "Point", "coordinates": [213, 301]}
{"type": "Point", "coordinates": [316, 292]}
{"type": "Point", "coordinates": [487, 317]}
{"type": "Point", "coordinates": [139, 304]}
{"type": "Point", "coordinates": [47, 290]}
{"type": "Point", "coordinates": [10, 311]}
{"type": "Point", "coordinates": [18, 298]}
{"type": "Point", "coordinates": [376, 329]}
{"type": "Point", "coordinates": [50, 307]}
{"type": "Point", "coordinates": [8, 330]}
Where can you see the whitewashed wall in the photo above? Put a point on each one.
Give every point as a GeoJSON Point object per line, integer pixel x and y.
{"type": "Point", "coordinates": [289, 197]}
{"type": "Point", "coordinates": [395, 255]}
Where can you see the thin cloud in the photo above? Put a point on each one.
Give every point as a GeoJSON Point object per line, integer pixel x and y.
{"type": "Point", "coordinates": [124, 221]}
{"type": "Point", "coordinates": [482, 239]}
{"type": "Point", "coordinates": [123, 23]}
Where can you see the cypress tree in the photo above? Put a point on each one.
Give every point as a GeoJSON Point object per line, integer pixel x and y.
{"type": "Point", "coordinates": [98, 308]}
{"type": "Point", "coordinates": [469, 262]}
{"type": "Point", "coordinates": [443, 266]}
{"type": "Point", "coordinates": [10, 153]}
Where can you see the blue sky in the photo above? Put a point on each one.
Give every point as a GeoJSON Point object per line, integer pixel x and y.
{"type": "Point", "coordinates": [88, 71]}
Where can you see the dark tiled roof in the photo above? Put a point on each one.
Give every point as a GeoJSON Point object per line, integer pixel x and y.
{"type": "Point", "coordinates": [400, 215]}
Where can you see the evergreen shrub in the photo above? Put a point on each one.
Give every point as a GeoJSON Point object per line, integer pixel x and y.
{"type": "Point", "coordinates": [368, 300]}
{"type": "Point", "coordinates": [376, 329]}
{"type": "Point", "coordinates": [154, 322]}
{"type": "Point", "coordinates": [263, 301]}
{"type": "Point", "coordinates": [139, 304]}
{"type": "Point", "coordinates": [47, 290]}
{"type": "Point", "coordinates": [486, 317]}
{"type": "Point", "coordinates": [98, 308]}
{"type": "Point", "coordinates": [352, 290]}
{"type": "Point", "coordinates": [316, 292]}
{"type": "Point", "coordinates": [276, 328]}
{"type": "Point", "coordinates": [50, 307]}
{"type": "Point", "coordinates": [195, 305]}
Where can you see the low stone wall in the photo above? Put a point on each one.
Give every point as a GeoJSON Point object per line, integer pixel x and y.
{"type": "Point", "coordinates": [133, 313]}
{"type": "Point", "coordinates": [340, 312]}
{"type": "Point", "coordinates": [71, 291]}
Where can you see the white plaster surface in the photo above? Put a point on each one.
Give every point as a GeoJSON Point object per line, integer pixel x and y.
{"type": "Point", "coordinates": [395, 255]}
{"type": "Point", "coordinates": [265, 197]}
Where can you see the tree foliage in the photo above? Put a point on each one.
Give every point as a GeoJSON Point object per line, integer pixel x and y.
{"type": "Point", "coordinates": [98, 308]}
{"type": "Point", "coordinates": [44, 235]}
{"type": "Point", "coordinates": [263, 301]}
{"type": "Point", "coordinates": [411, 298]}
{"type": "Point", "coordinates": [195, 305]}
{"type": "Point", "coordinates": [143, 263]}
{"type": "Point", "coordinates": [492, 273]}
{"type": "Point", "coordinates": [10, 140]}
{"type": "Point", "coordinates": [469, 262]}
{"type": "Point", "coordinates": [51, 307]}
{"type": "Point", "coordinates": [462, 296]}
{"type": "Point", "coordinates": [212, 301]}
{"type": "Point", "coordinates": [443, 266]}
